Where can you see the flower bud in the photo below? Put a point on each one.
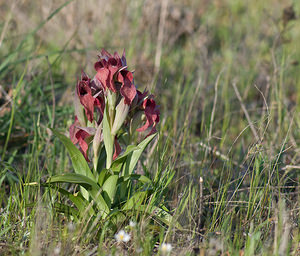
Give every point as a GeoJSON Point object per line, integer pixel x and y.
{"type": "Point", "coordinates": [98, 138]}
{"type": "Point", "coordinates": [121, 114]}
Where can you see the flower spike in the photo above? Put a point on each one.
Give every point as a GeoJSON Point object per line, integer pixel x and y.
{"type": "Point", "coordinates": [113, 88]}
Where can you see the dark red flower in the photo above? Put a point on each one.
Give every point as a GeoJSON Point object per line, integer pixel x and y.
{"type": "Point", "coordinates": [85, 96]}
{"type": "Point", "coordinates": [113, 75]}
{"type": "Point", "coordinates": [128, 90]}
{"type": "Point", "coordinates": [79, 135]}
{"type": "Point", "coordinates": [141, 96]}
{"type": "Point", "coordinates": [117, 149]}
{"type": "Point", "coordinates": [90, 96]}
{"type": "Point", "coordinates": [103, 75]}
{"type": "Point", "coordinates": [152, 115]}
{"type": "Point", "coordinates": [73, 130]}
{"type": "Point", "coordinates": [99, 102]}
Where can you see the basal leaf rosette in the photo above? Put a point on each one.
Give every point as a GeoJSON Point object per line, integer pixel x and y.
{"type": "Point", "coordinates": [110, 96]}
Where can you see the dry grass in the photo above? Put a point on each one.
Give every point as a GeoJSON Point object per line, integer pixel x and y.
{"type": "Point", "coordinates": [242, 140]}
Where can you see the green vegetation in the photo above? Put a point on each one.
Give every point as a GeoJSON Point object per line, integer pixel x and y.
{"type": "Point", "coordinates": [226, 159]}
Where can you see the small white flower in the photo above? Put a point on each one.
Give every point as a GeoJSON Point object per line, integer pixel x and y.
{"type": "Point", "coordinates": [166, 248]}
{"type": "Point", "coordinates": [57, 249]}
{"type": "Point", "coordinates": [122, 236]}
{"type": "Point", "coordinates": [132, 224]}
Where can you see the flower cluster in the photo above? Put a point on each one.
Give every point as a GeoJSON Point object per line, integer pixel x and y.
{"type": "Point", "coordinates": [112, 92]}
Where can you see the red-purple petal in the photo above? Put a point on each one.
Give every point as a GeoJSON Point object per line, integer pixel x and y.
{"type": "Point", "coordinates": [100, 105]}
{"type": "Point", "coordinates": [152, 115]}
{"type": "Point", "coordinates": [85, 96]}
{"type": "Point", "coordinates": [81, 135]}
{"type": "Point", "coordinates": [73, 129]}
{"type": "Point", "coordinates": [128, 90]}
{"type": "Point", "coordinates": [144, 127]}
{"type": "Point", "coordinates": [117, 149]}
{"type": "Point", "coordinates": [103, 76]}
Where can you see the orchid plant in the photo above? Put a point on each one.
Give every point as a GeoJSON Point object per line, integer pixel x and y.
{"type": "Point", "coordinates": [109, 111]}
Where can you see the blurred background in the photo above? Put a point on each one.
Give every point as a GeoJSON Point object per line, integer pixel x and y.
{"type": "Point", "coordinates": [224, 72]}
{"type": "Point", "coordinates": [188, 53]}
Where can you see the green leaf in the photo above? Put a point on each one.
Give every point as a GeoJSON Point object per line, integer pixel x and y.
{"type": "Point", "coordinates": [108, 139]}
{"type": "Point", "coordinates": [134, 156]}
{"type": "Point", "coordinates": [135, 201]}
{"type": "Point", "coordinates": [124, 185]}
{"type": "Point", "coordinates": [109, 188]}
{"type": "Point", "coordinates": [92, 188]}
{"type": "Point", "coordinates": [78, 200]}
{"type": "Point", "coordinates": [81, 203]}
{"type": "Point", "coordinates": [128, 150]}
{"type": "Point", "coordinates": [117, 167]}
{"type": "Point", "coordinates": [123, 191]}
{"type": "Point", "coordinates": [74, 178]}
{"type": "Point", "coordinates": [119, 162]}
{"type": "Point", "coordinates": [78, 161]}
{"type": "Point", "coordinates": [104, 174]}
{"type": "Point", "coordinates": [101, 160]}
